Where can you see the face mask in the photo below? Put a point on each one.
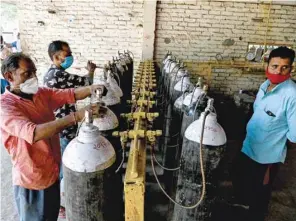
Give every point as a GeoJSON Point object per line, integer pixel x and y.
{"type": "Point", "coordinates": [30, 86]}
{"type": "Point", "coordinates": [277, 78]}
{"type": "Point", "coordinates": [67, 62]}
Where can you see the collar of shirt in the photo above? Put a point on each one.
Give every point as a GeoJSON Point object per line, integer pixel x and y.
{"type": "Point", "coordinates": [56, 67]}
{"type": "Point", "coordinates": [265, 85]}
{"type": "Point", "coordinates": [19, 97]}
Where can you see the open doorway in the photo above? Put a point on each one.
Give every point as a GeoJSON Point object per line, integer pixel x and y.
{"type": "Point", "coordinates": [10, 26]}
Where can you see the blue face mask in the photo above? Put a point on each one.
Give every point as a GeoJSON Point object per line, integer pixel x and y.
{"type": "Point", "coordinates": [67, 62]}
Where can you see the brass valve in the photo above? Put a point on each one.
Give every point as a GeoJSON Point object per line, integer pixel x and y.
{"type": "Point", "coordinates": [144, 93]}
{"type": "Point", "coordinates": [152, 116]}
{"type": "Point", "coordinates": [141, 85]}
{"type": "Point", "coordinates": [144, 77]}
{"type": "Point", "coordinates": [142, 103]}
{"type": "Point", "coordinates": [152, 134]}
{"type": "Point", "coordinates": [136, 115]}
{"type": "Point", "coordinates": [132, 134]}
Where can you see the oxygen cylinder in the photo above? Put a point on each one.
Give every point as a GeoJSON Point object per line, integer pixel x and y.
{"type": "Point", "coordinates": [190, 183]}
{"type": "Point", "coordinates": [89, 176]}
{"type": "Point", "coordinates": [112, 101]}
{"type": "Point", "coordinates": [192, 105]}
{"type": "Point", "coordinates": [177, 86]}
{"type": "Point", "coordinates": [165, 62]}
{"type": "Point", "coordinates": [107, 122]}
{"type": "Point", "coordinates": [174, 78]}
{"type": "Point", "coordinates": [167, 112]}
{"type": "Point", "coordinates": [181, 86]}
{"type": "Point", "coordinates": [129, 74]}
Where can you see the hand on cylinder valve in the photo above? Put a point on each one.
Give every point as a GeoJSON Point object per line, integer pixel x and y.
{"type": "Point", "coordinates": [80, 114]}
{"type": "Point", "coordinates": [91, 67]}
{"type": "Point", "coordinates": [98, 90]}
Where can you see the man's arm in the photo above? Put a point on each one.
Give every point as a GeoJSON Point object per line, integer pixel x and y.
{"type": "Point", "coordinates": [56, 98]}
{"type": "Point", "coordinates": [83, 92]}
{"type": "Point", "coordinates": [46, 130]}
{"type": "Point", "coordinates": [16, 123]}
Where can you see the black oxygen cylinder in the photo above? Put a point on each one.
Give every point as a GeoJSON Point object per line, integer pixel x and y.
{"type": "Point", "coordinates": [188, 117]}
{"type": "Point", "coordinates": [130, 76]}
{"type": "Point", "coordinates": [189, 185]}
{"type": "Point", "coordinates": [116, 187]}
{"type": "Point", "coordinates": [91, 191]}
{"type": "Point", "coordinates": [190, 114]}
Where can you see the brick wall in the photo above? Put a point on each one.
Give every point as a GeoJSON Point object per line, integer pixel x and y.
{"type": "Point", "coordinates": [227, 81]}
{"type": "Point", "coordinates": [195, 30]}
{"type": "Point", "coordinates": [95, 30]}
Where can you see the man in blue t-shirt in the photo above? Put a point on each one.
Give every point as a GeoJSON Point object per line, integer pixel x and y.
{"type": "Point", "coordinates": [271, 128]}
{"type": "Point", "coordinates": [16, 45]}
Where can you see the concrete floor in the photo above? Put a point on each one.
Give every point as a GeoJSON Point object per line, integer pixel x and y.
{"type": "Point", "coordinates": [283, 202]}
{"type": "Point", "coordinates": [8, 212]}
{"type": "Point", "coordinates": [282, 208]}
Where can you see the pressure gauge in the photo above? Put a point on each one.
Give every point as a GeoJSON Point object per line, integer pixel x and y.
{"type": "Point", "coordinates": [219, 57]}
{"type": "Point", "coordinates": [250, 56]}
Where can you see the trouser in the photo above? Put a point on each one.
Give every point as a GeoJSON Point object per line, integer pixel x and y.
{"type": "Point", "coordinates": [38, 205]}
{"type": "Point", "coordinates": [252, 184]}
{"type": "Point", "coordinates": [64, 143]}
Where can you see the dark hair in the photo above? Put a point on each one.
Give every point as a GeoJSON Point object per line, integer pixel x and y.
{"type": "Point", "coordinates": [282, 52]}
{"type": "Point", "coordinates": [1, 39]}
{"type": "Point", "coordinates": [55, 47]}
{"type": "Point", "coordinates": [11, 63]}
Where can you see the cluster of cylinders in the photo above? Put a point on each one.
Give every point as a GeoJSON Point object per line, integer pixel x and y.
{"type": "Point", "coordinates": [92, 182]}
{"type": "Point", "coordinates": [193, 141]}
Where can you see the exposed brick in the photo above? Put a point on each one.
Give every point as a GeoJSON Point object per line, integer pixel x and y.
{"type": "Point", "coordinates": [196, 29]}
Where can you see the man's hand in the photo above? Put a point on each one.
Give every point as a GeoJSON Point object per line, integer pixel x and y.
{"type": "Point", "coordinates": [94, 108]}
{"type": "Point", "coordinates": [97, 87]}
{"type": "Point", "coordinates": [91, 67]}
{"type": "Point", "coordinates": [83, 92]}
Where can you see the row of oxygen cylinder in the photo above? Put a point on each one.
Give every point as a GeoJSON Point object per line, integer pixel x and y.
{"type": "Point", "coordinates": [182, 103]}
{"type": "Point", "coordinates": [92, 180]}
{"type": "Point", "coordinates": [188, 111]}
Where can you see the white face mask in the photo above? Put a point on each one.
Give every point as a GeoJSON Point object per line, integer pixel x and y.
{"type": "Point", "coordinates": [30, 86]}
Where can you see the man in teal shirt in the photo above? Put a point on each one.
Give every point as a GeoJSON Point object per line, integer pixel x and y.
{"type": "Point", "coordinates": [271, 128]}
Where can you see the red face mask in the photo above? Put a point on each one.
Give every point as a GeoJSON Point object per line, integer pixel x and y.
{"type": "Point", "coordinates": [277, 78]}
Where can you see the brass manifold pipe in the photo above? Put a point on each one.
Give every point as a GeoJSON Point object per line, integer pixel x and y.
{"type": "Point", "coordinates": [144, 82]}
{"type": "Point", "coordinates": [144, 103]}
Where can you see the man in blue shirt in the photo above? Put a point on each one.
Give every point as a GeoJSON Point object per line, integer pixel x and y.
{"type": "Point", "coordinates": [16, 45]}
{"type": "Point", "coordinates": [271, 128]}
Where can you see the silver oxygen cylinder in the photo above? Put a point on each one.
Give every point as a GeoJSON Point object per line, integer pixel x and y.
{"type": "Point", "coordinates": [87, 164]}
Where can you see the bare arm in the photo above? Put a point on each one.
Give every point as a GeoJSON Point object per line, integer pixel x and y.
{"type": "Point", "coordinates": [46, 130]}
{"type": "Point", "coordinates": [83, 92]}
